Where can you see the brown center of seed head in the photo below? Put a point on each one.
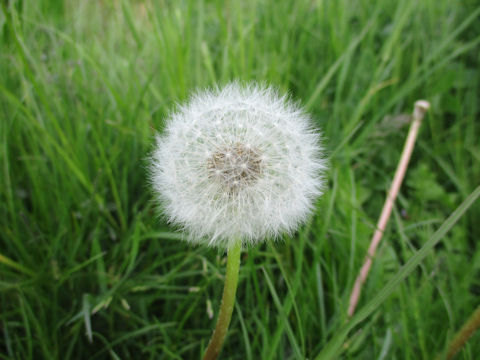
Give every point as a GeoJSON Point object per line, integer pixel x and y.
{"type": "Point", "coordinates": [235, 167]}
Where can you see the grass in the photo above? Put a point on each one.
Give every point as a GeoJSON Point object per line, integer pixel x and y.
{"type": "Point", "coordinates": [87, 269]}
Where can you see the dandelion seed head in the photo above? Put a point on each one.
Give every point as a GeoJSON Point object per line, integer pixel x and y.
{"type": "Point", "coordinates": [240, 163]}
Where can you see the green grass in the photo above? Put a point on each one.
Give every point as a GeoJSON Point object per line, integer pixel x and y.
{"type": "Point", "coordinates": [89, 271]}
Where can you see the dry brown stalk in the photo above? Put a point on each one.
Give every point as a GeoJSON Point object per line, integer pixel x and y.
{"type": "Point", "coordinates": [421, 107]}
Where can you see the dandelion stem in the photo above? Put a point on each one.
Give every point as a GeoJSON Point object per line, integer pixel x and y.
{"type": "Point", "coordinates": [472, 324]}
{"type": "Point", "coordinates": [421, 107]}
{"type": "Point", "coordinates": [228, 301]}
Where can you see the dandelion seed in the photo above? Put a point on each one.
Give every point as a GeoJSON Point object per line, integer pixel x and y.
{"type": "Point", "coordinates": [237, 166]}
{"type": "Point", "coordinates": [248, 166]}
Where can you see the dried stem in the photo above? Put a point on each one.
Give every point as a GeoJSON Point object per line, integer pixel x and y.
{"type": "Point", "coordinates": [421, 107]}
{"type": "Point", "coordinates": [228, 301]}
{"type": "Point", "coordinates": [467, 330]}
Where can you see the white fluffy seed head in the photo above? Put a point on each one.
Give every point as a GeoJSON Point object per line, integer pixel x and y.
{"type": "Point", "coordinates": [239, 163]}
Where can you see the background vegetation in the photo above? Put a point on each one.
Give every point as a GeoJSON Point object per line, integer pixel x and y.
{"type": "Point", "coordinates": [87, 269]}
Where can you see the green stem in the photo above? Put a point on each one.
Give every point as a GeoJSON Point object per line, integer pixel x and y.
{"type": "Point", "coordinates": [228, 301]}
{"type": "Point", "coordinates": [472, 324]}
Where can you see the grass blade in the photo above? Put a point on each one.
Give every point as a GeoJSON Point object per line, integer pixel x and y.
{"type": "Point", "coordinates": [333, 348]}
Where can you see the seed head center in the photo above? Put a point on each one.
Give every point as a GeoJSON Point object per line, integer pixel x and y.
{"type": "Point", "coordinates": [235, 166]}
